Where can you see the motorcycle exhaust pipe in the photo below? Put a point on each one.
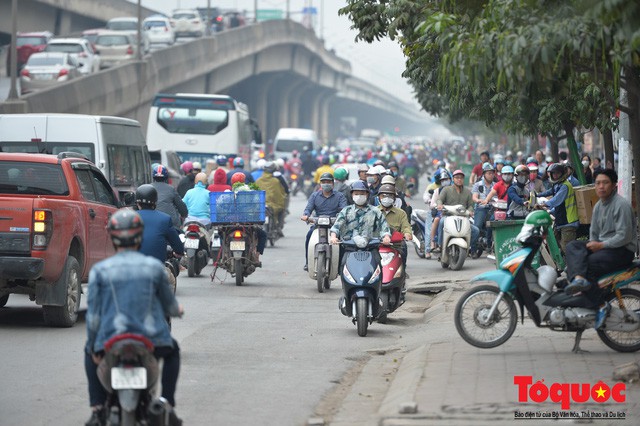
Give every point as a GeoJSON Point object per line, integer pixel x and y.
{"type": "Point", "coordinates": [159, 412]}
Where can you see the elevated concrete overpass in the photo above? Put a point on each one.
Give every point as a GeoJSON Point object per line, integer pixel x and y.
{"type": "Point", "coordinates": [280, 69]}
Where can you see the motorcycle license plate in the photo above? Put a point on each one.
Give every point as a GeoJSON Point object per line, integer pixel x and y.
{"type": "Point", "coordinates": [128, 378]}
{"type": "Point", "coordinates": [215, 242]}
{"type": "Point", "coordinates": [190, 243]}
{"type": "Point", "coordinates": [236, 245]}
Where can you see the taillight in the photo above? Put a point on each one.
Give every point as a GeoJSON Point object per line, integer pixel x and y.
{"type": "Point", "coordinates": [294, 176]}
{"type": "Point", "coordinates": [25, 73]}
{"type": "Point", "coordinates": [219, 19]}
{"type": "Point", "coordinates": [237, 234]}
{"type": "Point", "coordinates": [193, 228]}
{"type": "Point", "coordinates": [42, 229]}
{"type": "Point", "coordinates": [129, 50]}
{"type": "Point", "coordinates": [63, 72]}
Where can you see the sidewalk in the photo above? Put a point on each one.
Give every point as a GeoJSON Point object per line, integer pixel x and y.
{"type": "Point", "coordinates": [442, 380]}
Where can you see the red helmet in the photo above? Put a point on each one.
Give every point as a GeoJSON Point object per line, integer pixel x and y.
{"type": "Point", "coordinates": [237, 177]}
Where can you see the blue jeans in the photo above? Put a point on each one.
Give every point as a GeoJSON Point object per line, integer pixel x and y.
{"type": "Point", "coordinates": [427, 232]}
{"type": "Point", "coordinates": [475, 232]}
{"type": "Point", "coordinates": [480, 218]}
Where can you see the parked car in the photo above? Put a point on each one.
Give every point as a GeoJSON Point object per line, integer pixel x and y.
{"type": "Point", "coordinates": [55, 210]}
{"type": "Point", "coordinates": [187, 23]}
{"type": "Point", "coordinates": [27, 44]}
{"type": "Point", "coordinates": [129, 25]}
{"type": "Point", "coordinates": [159, 30]}
{"type": "Point", "coordinates": [115, 48]}
{"type": "Point", "coordinates": [79, 48]}
{"type": "Point", "coordinates": [46, 69]}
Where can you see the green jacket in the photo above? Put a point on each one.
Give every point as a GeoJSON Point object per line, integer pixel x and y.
{"type": "Point", "coordinates": [397, 219]}
{"type": "Point", "coordinates": [275, 195]}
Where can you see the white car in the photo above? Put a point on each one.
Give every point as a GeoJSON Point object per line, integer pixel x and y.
{"type": "Point", "coordinates": [129, 26]}
{"type": "Point", "coordinates": [79, 48]}
{"type": "Point", "coordinates": [159, 30]}
{"type": "Point", "coordinates": [187, 23]}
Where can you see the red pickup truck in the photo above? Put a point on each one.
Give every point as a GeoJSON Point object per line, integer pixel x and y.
{"type": "Point", "coordinates": [53, 216]}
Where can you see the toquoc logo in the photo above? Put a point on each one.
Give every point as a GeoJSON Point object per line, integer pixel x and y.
{"type": "Point", "coordinates": [565, 393]}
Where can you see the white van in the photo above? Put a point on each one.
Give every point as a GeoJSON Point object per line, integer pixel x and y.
{"type": "Point", "coordinates": [116, 145]}
{"type": "Point", "coordinates": [288, 139]}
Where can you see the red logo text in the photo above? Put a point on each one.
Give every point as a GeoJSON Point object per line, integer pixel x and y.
{"type": "Point", "coordinates": [566, 393]}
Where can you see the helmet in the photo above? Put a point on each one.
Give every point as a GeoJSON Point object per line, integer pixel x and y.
{"type": "Point", "coordinates": [387, 189]}
{"type": "Point", "coordinates": [442, 175]}
{"type": "Point", "coordinates": [125, 228]}
{"type": "Point", "coordinates": [363, 168]}
{"type": "Point", "coordinates": [556, 168]}
{"type": "Point", "coordinates": [186, 167]}
{"type": "Point", "coordinates": [160, 172]}
{"type": "Point", "coordinates": [458, 172]}
{"type": "Point", "coordinates": [392, 164]}
{"type": "Point", "coordinates": [325, 159]}
{"type": "Point", "coordinates": [238, 162]}
{"type": "Point", "coordinates": [533, 167]}
{"type": "Point", "coordinates": [294, 153]}
{"type": "Point", "coordinates": [532, 160]}
{"type": "Point", "coordinates": [379, 163]}
{"type": "Point", "coordinates": [498, 159]}
{"type": "Point", "coordinates": [538, 218]}
{"type": "Point", "coordinates": [260, 163]}
{"type": "Point", "coordinates": [221, 160]}
{"type": "Point", "coordinates": [280, 163]}
{"type": "Point", "coordinates": [326, 176]}
{"type": "Point", "coordinates": [373, 171]}
{"type": "Point", "coordinates": [522, 169]}
{"type": "Point", "coordinates": [237, 177]}
{"type": "Point", "coordinates": [340, 173]}
{"type": "Point", "coordinates": [487, 167]}
{"type": "Point", "coordinates": [197, 165]}
{"type": "Point", "coordinates": [569, 165]}
{"type": "Point", "coordinates": [270, 167]}
{"type": "Point", "coordinates": [389, 180]}
{"type": "Point", "coordinates": [146, 194]}
{"type": "Point", "coordinates": [507, 170]}
{"type": "Point", "coordinates": [359, 185]}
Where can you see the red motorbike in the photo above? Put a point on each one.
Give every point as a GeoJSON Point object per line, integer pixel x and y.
{"type": "Point", "coordinates": [393, 277]}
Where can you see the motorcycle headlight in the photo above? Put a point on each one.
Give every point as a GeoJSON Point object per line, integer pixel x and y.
{"type": "Point", "coordinates": [324, 221]}
{"type": "Point", "coordinates": [386, 258]}
{"type": "Point", "coordinates": [375, 275]}
{"type": "Point", "coordinates": [347, 275]}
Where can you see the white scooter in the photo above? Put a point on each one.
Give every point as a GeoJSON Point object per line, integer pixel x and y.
{"type": "Point", "coordinates": [323, 257]}
{"type": "Point", "coordinates": [456, 237]}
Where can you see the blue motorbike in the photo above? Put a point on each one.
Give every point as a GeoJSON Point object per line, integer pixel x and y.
{"type": "Point", "coordinates": [486, 315]}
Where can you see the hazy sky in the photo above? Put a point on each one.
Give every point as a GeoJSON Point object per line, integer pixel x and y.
{"type": "Point", "coordinates": [380, 63]}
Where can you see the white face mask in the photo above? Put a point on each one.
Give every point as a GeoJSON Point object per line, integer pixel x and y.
{"type": "Point", "coordinates": [507, 178]}
{"type": "Point", "coordinates": [445, 182]}
{"type": "Point", "coordinates": [360, 200]}
{"type": "Point", "coordinates": [521, 180]}
{"type": "Point", "coordinates": [387, 201]}
{"type": "Point", "coordinates": [585, 163]}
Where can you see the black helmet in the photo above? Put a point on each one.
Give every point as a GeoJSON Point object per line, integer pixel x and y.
{"type": "Point", "coordinates": [326, 160]}
{"type": "Point", "coordinates": [146, 194]}
{"type": "Point", "coordinates": [392, 164]}
{"type": "Point", "coordinates": [556, 168]}
{"type": "Point", "coordinates": [125, 228]}
{"type": "Point", "coordinates": [326, 176]}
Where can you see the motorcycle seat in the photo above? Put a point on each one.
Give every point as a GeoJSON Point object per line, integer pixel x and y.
{"type": "Point", "coordinates": [422, 214]}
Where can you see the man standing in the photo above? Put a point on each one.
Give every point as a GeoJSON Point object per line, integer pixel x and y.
{"type": "Point", "coordinates": [611, 245]}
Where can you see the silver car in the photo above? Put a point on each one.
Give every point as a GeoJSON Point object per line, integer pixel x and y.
{"type": "Point", "coordinates": [80, 49]}
{"type": "Point", "coordinates": [114, 48]}
{"type": "Point", "coordinates": [46, 69]}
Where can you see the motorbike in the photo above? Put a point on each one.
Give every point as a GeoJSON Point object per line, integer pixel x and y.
{"type": "Point", "coordinates": [325, 257]}
{"type": "Point", "coordinates": [418, 223]}
{"type": "Point", "coordinates": [294, 184]}
{"type": "Point", "coordinates": [361, 282]}
{"type": "Point", "coordinates": [486, 315]}
{"type": "Point", "coordinates": [129, 372]}
{"type": "Point", "coordinates": [172, 266]}
{"type": "Point", "coordinates": [197, 245]}
{"type": "Point", "coordinates": [273, 233]}
{"type": "Point", "coordinates": [393, 277]}
{"type": "Point", "coordinates": [456, 237]}
{"type": "Point", "coordinates": [238, 251]}
{"type": "Point", "coordinates": [308, 186]}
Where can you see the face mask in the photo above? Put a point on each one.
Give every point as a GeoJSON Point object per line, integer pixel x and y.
{"type": "Point", "coordinates": [521, 180]}
{"type": "Point", "coordinates": [360, 200]}
{"type": "Point", "coordinates": [585, 163]}
{"type": "Point", "coordinates": [533, 176]}
{"type": "Point", "coordinates": [445, 182]}
{"type": "Point", "coordinates": [394, 174]}
{"type": "Point", "coordinates": [371, 180]}
{"type": "Point", "coordinates": [387, 201]}
{"type": "Point", "coordinates": [326, 187]}
{"type": "Point", "coordinates": [507, 178]}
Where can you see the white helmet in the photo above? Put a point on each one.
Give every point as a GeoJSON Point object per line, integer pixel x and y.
{"type": "Point", "coordinates": [280, 163]}
{"type": "Point", "coordinates": [260, 163]}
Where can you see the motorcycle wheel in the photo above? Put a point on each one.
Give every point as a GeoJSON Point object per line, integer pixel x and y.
{"type": "Point", "coordinates": [623, 341]}
{"type": "Point", "coordinates": [382, 318]}
{"type": "Point", "coordinates": [191, 267]}
{"type": "Point", "coordinates": [469, 313]}
{"type": "Point", "coordinates": [327, 283]}
{"type": "Point", "coordinates": [362, 309]}
{"type": "Point", "coordinates": [239, 271]}
{"type": "Point", "coordinates": [419, 251]}
{"type": "Point", "coordinates": [320, 264]}
{"type": "Point", "coordinates": [456, 256]}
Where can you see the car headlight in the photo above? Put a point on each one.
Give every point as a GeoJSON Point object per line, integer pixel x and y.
{"type": "Point", "coordinates": [347, 275]}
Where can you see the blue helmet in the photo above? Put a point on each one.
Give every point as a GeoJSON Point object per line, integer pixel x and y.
{"type": "Point", "coordinates": [359, 185]}
{"type": "Point", "coordinates": [507, 170]}
{"type": "Point", "coordinates": [238, 162]}
{"type": "Point", "coordinates": [221, 160]}
{"type": "Point", "coordinates": [160, 172]}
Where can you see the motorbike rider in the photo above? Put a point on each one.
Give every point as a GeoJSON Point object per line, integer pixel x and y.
{"type": "Point", "coordinates": [501, 188]}
{"type": "Point", "coordinates": [158, 228]}
{"type": "Point", "coordinates": [362, 173]}
{"type": "Point", "coordinates": [324, 168]}
{"type": "Point", "coordinates": [238, 166]}
{"type": "Point", "coordinates": [129, 293]}
{"type": "Point", "coordinates": [219, 182]}
{"type": "Point", "coordinates": [396, 217]}
{"type": "Point", "coordinates": [188, 181]}
{"type": "Point", "coordinates": [257, 173]}
{"type": "Point", "coordinates": [223, 162]}
{"type": "Point", "coordinates": [453, 195]}
{"type": "Point", "coordinates": [518, 194]}
{"type": "Point", "coordinates": [309, 162]}
{"type": "Point", "coordinates": [401, 183]}
{"type": "Point", "coordinates": [197, 201]}
{"type": "Point", "coordinates": [169, 201]}
{"type": "Point", "coordinates": [611, 245]}
{"type": "Point", "coordinates": [374, 180]}
{"type": "Point", "coordinates": [430, 197]}
{"type": "Point", "coordinates": [535, 183]}
{"type": "Point", "coordinates": [340, 175]}
{"type": "Point", "coordinates": [361, 218]}
{"type": "Point", "coordinates": [562, 205]}
{"type": "Point", "coordinates": [262, 235]}
{"type": "Point", "coordinates": [275, 194]}
{"type": "Point", "coordinates": [325, 202]}
{"type": "Point", "coordinates": [479, 193]}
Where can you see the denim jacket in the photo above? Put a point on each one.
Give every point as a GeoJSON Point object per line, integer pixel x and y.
{"type": "Point", "coordinates": [129, 293]}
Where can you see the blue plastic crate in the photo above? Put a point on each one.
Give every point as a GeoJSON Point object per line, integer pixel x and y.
{"type": "Point", "coordinates": [243, 207]}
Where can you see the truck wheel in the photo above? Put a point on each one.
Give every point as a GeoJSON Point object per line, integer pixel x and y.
{"type": "Point", "coordinates": [3, 300]}
{"type": "Point", "coordinates": [67, 314]}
